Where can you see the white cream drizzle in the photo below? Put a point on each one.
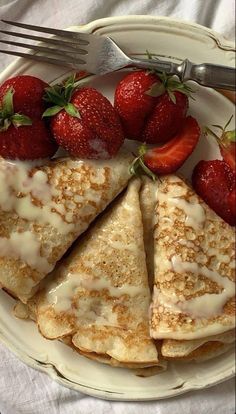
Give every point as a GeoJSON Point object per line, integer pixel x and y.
{"type": "Point", "coordinates": [91, 311]}
{"type": "Point", "coordinates": [195, 213]}
{"type": "Point", "coordinates": [205, 306]}
{"type": "Point", "coordinates": [26, 247]}
{"type": "Point", "coordinates": [15, 180]}
{"type": "Point", "coordinates": [117, 244]}
{"type": "Point", "coordinates": [61, 295]}
{"type": "Point", "coordinates": [182, 267]}
{"type": "Point", "coordinates": [222, 258]}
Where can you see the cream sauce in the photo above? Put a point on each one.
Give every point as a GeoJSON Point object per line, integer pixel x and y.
{"type": "Point", "coordinates": [194, 212]}
{"type": "Point", "coordinates": [15, 180]}
{"type": "Point", "coordinates": [206, 306]}
{"type": "Point", "coordinates": [91, 311]}
{"type": "Point", "coordinates": [26, 247]}
{"type": "Point", "coordinates": [62, 295]}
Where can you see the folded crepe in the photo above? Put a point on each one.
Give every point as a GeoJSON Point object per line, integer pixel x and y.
{"type": "Point", "coordinates": [194, 266]}
{"type": "Point", "coordinates": [198, 349]}
{"type": "Point", "coordinates": [141, 369]}
{"type": "Point", "coordinates": [44, 208]}
{"type": "Point", "coordinates": [98, 297]}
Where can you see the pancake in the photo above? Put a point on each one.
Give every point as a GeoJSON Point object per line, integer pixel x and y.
{"type": "Point", "coordinates": [44, 208]}
{"type": "Point", "coordinates": [194, 266]}
{"type": "Point", "coordinates": [99, 295]}
{"type": "Point", "coordinates": [141, 370]}
{"type": "Point", "coordinates": [198, 349]}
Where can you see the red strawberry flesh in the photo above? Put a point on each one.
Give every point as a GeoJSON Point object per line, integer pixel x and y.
{"type": "Point", "coordinates": [166, 119]}
{"type": "Point", "coordinates": [97, 134]}
{"type": "Point", "coordinates": [169, 157]}
{"type": "Point", "coordinates": [132, 102]}
{"type": "Point", "coordinates": [152, 106]}
{"type": "Point", "coordinates": [27, 142]}
{"type": "Point", "coordinates": [232, 203]}
{"type": "Point", "coordinates": [229, 155]}
{"type": "Point", "coordinates": [214, 182]}
{"type": "Point", "coordinates": [23, 134]}
{"type": "Point", "coordinates": [28, 94]}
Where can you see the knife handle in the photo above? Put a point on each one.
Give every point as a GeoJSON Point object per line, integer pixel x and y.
{"type": "Point", "coordinates": [206, 74]}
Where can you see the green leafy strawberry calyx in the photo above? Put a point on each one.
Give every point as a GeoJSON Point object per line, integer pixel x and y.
{"type": "Point", "coordinates": [8, 116]}
{"type": "Point", "coordinates": [138, 165]}
{"type": "Point", "coordinates": [168, 83]}
{"type": "Point", "coordinates": [226, 138]}
{"type": "Point", "coordinates": [59, 96]}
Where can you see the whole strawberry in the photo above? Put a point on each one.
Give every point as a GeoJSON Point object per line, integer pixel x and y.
{"type": "Point", "coordinates": [152, 106]}
{"type": "Point", "coordinates": [28, 94]}
{"type": "Point", "coordinates": [23, 134]}
{"type": "Point", "coordinates": [214, 181]}
{"type": "Point", "coordinates": [83, 121]}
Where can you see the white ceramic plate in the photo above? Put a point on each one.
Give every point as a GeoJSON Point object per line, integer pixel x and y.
{"type": "Point", "coordinates": [167, 38]}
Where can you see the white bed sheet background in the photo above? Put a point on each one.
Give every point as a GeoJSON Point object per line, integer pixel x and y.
{"type": "Point", "coordinates": [22, 389]}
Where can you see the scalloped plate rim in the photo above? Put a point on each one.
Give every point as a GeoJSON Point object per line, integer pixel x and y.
{"type": "Point", "coordinates": [50, 368]}
{"type": "Point", "coordinates": [54, 373]}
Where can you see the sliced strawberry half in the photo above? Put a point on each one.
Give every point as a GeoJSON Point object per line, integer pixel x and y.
{"type": "Point", "coordinates": [169, 157]}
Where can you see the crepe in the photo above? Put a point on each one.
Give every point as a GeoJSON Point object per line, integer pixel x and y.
{"type": "Point", "coordinates": [106, 359]}
{"type": "Point", "coordinates": [194, 260]}
{"type": "Point", "coordinates": [44, 208]}
{"type": "Point", "coordinates": [198, 349]}
{"type": "Point", "coordinates": [99, 295]}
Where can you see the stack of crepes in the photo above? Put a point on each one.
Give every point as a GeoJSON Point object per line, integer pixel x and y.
{"type": "Point", "coordinates": [154, 237]}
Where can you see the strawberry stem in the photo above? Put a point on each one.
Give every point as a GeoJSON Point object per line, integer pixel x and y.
{"type": "Point", "coordinates": [138, 165]}
{"type": "Point", "coordinates": [223, 129]}
{"type": "Point", "coordinates": [226, 136]}
{"type": "Point", "coordinates": [60, 95]}
{"type": "Point", "coordinates": [208, 131]}
{"type": "Point", "coordinates": [8, 116]}
{"type": "Point", "coordinates": [169, 84]}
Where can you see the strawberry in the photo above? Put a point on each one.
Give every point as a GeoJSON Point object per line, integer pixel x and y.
{"type": "Point", "coordinates": [227, 143]}
{"type": "Point", "coordinates": [152, 106]}
{"type": "Point", "coordinates": [83, 121]}
{"type": "Point", "coordinates": [166, 119]}
{"type": "Point", "coordinates": [232, 202]}
{"type": "Point", "coordinates": [132, 102]}
{"type": "Point", "coordinates": [27, 142]}
{"type": "Point", "coordinates": [23, 137]}
{"type": "Point", "coordinates": [169, 157]}
{"type": "Point", "coordinates": [214, 181]}
{"type": "Point", "coordinates": [28, 94]}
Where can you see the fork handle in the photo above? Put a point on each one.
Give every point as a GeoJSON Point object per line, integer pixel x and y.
{"type": "Point", "coordinates": [206, 74]}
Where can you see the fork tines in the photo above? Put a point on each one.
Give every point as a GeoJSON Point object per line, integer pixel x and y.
{"type": "Point", "coordinates": [64, 50]}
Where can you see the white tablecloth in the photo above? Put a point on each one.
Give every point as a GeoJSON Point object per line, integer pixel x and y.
{"type": "Point", "coordinates": [22, 389]}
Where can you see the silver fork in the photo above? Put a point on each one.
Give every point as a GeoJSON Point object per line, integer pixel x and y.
{"type": "Point", "coordinates": [100, 55]}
